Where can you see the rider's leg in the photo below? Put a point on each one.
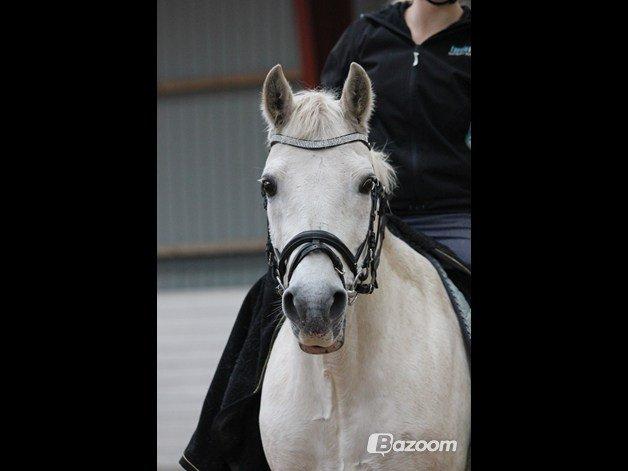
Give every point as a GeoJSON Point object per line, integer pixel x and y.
{"type": "Point", "coordinates": [451, 230]}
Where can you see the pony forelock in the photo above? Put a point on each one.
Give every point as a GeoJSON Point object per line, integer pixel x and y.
{"type": "Point", "coordinates": [316, 114]}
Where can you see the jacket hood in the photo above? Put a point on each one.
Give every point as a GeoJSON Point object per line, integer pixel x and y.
{"type": "Point", "coordinates": [391, 17]}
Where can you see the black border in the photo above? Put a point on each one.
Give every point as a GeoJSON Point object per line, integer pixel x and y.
{"type": "Point", "coordinates": [88, 94]}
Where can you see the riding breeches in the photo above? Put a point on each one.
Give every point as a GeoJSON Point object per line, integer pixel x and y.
{"type": "Point", "coordinates": [451, 230]}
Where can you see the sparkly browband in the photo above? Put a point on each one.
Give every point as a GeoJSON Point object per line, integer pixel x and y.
{"type": "Point", "coordinates": [322, 144]}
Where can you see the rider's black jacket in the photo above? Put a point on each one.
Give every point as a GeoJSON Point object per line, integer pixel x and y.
{"type": "Point", "coordinates": [423, 105]}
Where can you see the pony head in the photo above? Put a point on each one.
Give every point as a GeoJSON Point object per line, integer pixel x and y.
{"type": "Point", "coordinates": [319, 189]}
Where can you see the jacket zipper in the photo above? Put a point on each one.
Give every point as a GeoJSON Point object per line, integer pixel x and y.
{"type": "Point", "coordinates": [414, 71]}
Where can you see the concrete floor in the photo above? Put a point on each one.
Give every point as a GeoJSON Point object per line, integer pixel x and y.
{"type": "Point", "coordinates": [192, 330]}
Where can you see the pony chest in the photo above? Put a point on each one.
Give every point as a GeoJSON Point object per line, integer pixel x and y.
{"type": "Point", "coordinates": [299, 422]}
{"type": "Point", "coordinates": [294, 396]}
{"type": "Point", "coordinates": [309, 419]}
{"type": "Point", "coordinates": [303, 427]}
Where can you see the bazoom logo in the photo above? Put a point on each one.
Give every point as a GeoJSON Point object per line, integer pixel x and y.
{"type": "Point", "coordinates": [383, 443]}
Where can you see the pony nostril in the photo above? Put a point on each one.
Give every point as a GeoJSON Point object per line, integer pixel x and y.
{"type": "Point", "coordinates": [339, 304]}
{"type": "Point", "coordinates": [289, 307]}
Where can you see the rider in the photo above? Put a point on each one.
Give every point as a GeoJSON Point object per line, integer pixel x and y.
{"type": "Point", "coordinates": [418, 56]}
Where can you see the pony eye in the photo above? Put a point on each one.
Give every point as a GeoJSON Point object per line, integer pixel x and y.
{"type": "Point", "coordinates": [367, 185]}
{"type": "Point", "coordinates": [269, 187]}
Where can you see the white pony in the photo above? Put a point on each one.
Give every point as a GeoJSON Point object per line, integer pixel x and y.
{"type": "Point", "coordinates": [402, 369]}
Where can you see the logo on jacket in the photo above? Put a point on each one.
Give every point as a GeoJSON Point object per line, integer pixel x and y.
{"type": "Point", "coordinates": [460, 51]}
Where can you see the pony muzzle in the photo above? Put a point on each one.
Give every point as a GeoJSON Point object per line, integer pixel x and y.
{"type": "Point", "coordinates": [335, 343]}
{"type": "Point", "coordinates": [317, 319]}
{"type": "Point", "coordinates": [321, 337]}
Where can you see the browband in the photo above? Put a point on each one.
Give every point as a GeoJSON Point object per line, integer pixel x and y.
{"type": "Point", "coordinates": [321, 144]}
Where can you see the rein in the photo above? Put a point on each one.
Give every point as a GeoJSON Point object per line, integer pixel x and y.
{"type": "Point", "coordinates": [308, 242]}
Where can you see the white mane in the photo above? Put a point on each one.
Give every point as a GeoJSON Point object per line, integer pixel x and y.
{"type": "Point", "coordinates": [317, 114]}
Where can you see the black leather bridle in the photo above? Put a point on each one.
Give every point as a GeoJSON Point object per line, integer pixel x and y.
{"type": "Point", "coordinates": [308, 242]}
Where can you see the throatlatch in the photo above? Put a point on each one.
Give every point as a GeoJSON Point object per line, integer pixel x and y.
{"type": "Point", "coordinates": [308, 242]}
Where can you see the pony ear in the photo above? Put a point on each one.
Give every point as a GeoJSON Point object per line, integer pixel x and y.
{"type": "Point", "coordinates": [357, 97]}
{"type": "Point", "coordinates": [276, 98]}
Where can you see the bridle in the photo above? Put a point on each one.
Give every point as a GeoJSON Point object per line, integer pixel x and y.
{"type": "Point", "coordinates": [308, 242]}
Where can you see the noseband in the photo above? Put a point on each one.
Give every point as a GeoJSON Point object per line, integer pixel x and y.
{"type": "Point", "coordinates": [308, 242]}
